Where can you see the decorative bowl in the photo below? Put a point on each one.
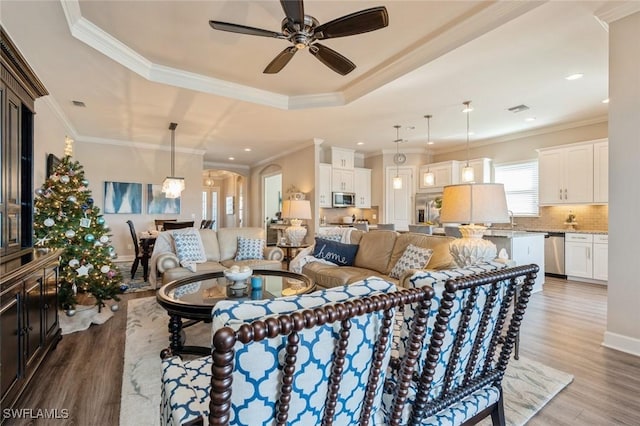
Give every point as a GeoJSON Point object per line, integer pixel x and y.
{"type": "Point", "coordinates": [237, 275]}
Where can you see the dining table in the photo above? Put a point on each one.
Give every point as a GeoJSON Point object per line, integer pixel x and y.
{"type": "Point", "coordinates": [147, 242]}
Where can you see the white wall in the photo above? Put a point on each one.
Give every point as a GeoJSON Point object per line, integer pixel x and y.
{"type": "Point", "coordinates": [126, 163]}
{"type": "Point", "coordinates": [623, 313]}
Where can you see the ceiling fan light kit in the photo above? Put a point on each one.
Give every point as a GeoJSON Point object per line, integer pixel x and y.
{"type": "Point", "coordinates": [303, 31]}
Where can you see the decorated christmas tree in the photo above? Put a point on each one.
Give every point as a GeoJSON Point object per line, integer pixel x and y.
{"type": "Point", "coordinates": [67, 218]}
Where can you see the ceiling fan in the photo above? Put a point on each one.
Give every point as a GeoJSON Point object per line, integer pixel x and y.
{"type": "Point", "coordinates": [304, 30]}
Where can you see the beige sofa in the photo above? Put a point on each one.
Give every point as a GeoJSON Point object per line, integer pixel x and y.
{"type": "Point", "coordinates": [220, 249]}
{"type": "Point", "coordinates": [378, 252]}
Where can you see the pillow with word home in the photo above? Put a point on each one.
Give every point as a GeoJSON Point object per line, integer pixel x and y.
{"type": "Point", "coordinates": [333, 251]}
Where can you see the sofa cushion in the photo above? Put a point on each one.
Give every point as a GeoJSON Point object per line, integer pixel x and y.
{"type": "Point", "coordinates": [209, 239]}
{"type": "Point", "coordinates": [375, 250]}
{"type": "Point", "coordinates": [329, 276]}
{"type": "Point", "coordinates": [440, 259]}
{"type": "Point", "coordinates": [189, 248]}
{"type": "Point", "coordinates": [412, 258]}
{"type": "Point", "coordinates": [335, 252]}
{"type": "Point", "coordinates": [250, 248]}
{"type": "Point", "coordinates": [228, 239]}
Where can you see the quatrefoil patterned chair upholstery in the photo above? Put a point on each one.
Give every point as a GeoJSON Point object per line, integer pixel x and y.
{"type": "Point", "coordinates": [335, 360]}
{"type": "Point", "coordinates": [458, 373]}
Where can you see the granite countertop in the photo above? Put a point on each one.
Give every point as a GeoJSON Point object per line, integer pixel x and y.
{"type": "Point", "coordinates": [556, 230]}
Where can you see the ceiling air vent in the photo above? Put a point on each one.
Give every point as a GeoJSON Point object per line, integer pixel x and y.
{"type": "Point", "coordinates": [78, 104]}
{"type": "Point", "coordinates": [518, 108]}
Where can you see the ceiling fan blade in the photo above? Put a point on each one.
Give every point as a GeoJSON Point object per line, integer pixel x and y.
{"type": "Point", "coordinates": [332, 59]}
{"type": "Point", "coordinates": [242, 29]}
{"type": "Point", "coordinates": [281, 60]}
{"type": "Point", "coordinates": [354, 23]}
{"type": "Point", "coordinates": [294, 9]}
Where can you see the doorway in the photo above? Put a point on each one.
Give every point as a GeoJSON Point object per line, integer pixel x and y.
{"type": "Point", "coordinates": [272, 204]}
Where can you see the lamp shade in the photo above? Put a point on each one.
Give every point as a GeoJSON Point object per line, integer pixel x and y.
{"type": "Point", "coordinates": [474, 203]}
{"type": "Point", "coordinates": [296, 209]}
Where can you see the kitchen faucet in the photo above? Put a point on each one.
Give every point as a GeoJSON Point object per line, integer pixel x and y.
{"type": "Point", "coordinates": [513, 224]}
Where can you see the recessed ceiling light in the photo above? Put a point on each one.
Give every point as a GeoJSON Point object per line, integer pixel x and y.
{"type": "Point", "coordinates": [247, 150]}
{"type": "Point", "coordinates": [232, 158]}
{"type": "Point", "coordinates": [606, 101]}
{"type": "Point", "coordinates": [471, 133]}
{"type": "Point", "coordinates": [530, 119]}
{"type": "Point", "coordinates": [574, 76]}
{"type": "Point", "coordinates": [430, 143]}
{"type": "Point", "coordinates": [360, 143]}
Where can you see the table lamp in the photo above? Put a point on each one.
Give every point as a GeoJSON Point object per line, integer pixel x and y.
{"type": "Point", "coordinates": [295, 211]}
{"type": "Point", "coordinates": [473, 204]}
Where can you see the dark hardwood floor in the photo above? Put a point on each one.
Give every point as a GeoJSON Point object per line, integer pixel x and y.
{"type": "Point", "coordinates": [563, 328]}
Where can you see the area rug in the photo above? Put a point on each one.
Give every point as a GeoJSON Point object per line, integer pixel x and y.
{"type": "Point", "coordinates": [135, 284]}
{"type": "Point", "coordinates": [528, 385]}
{"type": "Point", "coordinates": [82, 318]}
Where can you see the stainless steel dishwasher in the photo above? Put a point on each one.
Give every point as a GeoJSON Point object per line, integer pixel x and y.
{"type": "Point", "coordinates": [554, 254]}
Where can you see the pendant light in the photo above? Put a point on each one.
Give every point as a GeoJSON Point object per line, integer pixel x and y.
{"type": "Point", "coordinates": [397, 181]}
{"type": "Point", "coordinates": [428, 179]}
{"type": "Point", "coordinates": [467, 171]}
{"type": "Point", "coordinates": [173, 186]}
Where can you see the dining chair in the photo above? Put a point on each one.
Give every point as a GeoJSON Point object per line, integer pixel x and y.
{"type": "Point", "coordinates": [387, 226]}
{"type": "Point", "coordinates": [177, 225]}
{"type": "Point", "coordinates": [136, 247]}
{"type": "Point", "coordinates": [421, 229]}
{"type": "Point", "coordinates": [362, 226]}
{"type": "Point", "coordinates": [160, 223]}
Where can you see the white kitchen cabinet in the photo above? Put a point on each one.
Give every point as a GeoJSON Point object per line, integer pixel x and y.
{"type": "Point", "coordinates": [524, 249]}
{"type": "Point", "coordinates": [481, 170]}
{"type": "Point", "coordinates": [601, 257]}
{"type": "Point", "coordinates": [601, 172]}
{"type": "Point", "coordinates": [566, 174]}
{"type": "Point", "coordinates": [581, 260]}
{"type": "Point", "coordinates": [324, 185]}
{"type": "Point", "coordinates": [342, 158]}
{"type": "Point", "coordinates": [342, 180]}
{"type": "Point", "coordinates": [363, 188]}
{"type": "Point", "coordinates": [445, 173]}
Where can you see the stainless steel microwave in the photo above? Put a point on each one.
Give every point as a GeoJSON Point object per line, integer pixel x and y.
{"type": "Point", "coordinates": [343, 199]}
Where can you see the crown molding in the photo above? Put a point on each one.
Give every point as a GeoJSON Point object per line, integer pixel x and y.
{"type": "Point", "coordinates": [301, 146]}
{"type": "Point", "coordinates": [613, 11]}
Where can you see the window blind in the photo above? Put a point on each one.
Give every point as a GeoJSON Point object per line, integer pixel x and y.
{"type": "Point", "coordinates": [520, 186]}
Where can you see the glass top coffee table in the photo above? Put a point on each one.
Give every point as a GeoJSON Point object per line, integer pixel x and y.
{"type": "Point", "coordinates": [193, 298]}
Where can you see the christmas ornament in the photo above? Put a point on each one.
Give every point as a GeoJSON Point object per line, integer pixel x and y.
{"type": "Point", "coordinates": [42, 241]}
{"type": "Point", "coordinates": [85, 223]}
{"type": "Point", "coordinates": [70, 312]}
{"type": "Point", "coordinates": [49, 222]}
{"type": "Point", "coordinates": [104, 269]}
{"type": "Point", "coordinates": [90, 200]}
{"type": "Point", "coordinates": [104, 239]}
{"type": "Point", "coordinates": [74, 288]}
{"type": "Point", "coordinates": [71, 199]}
{"type": "Point", "coordinates": [111, 273]}
{"type": "Point", "coordinates": [70, 233]}
{"type": "Point", "coordinates": [64, 179]}
{"type": "Point", "coordinates": [100, 220]}
{"type": "Point", "coordinates": [85, 182]}
{"type": "Point", "coordinates": [74, 262]}
{"type": "Point", "coordinates": [89, 238]}
{"type": "Point", "coordinates": [123, 287]}
{"type": "Point", "coordinates": [114, 307]}
{"type": "Point", "coordinates": [39, 191]}
{"type": "Point", "coordinates": [83, 271]}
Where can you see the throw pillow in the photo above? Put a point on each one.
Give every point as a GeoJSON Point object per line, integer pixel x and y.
{"type": "Point", "coordinates": [413, 258]}
{"type": "Point", "coordinates": [332, 237]}
{"type": "Point", "coordinates": [250, 248]}
{"type": "Point", "coordinates": [339, 253]}
{"type": "Point", "coordinates": [189, 248]}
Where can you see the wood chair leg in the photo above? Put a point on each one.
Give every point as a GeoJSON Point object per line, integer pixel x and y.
{"type": "Point", "coordinates": [134, 267]}
{"type": "Point", "coordinates": [497, 415]}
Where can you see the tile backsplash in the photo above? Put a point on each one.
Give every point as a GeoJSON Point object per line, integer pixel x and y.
{"type": "Point", "coordinates": [588, 218]}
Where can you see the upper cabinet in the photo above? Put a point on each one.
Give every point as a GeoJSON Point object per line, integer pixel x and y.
{"type": "Point", "coordinates": [342, 180]}
{"type": "Point", "coordinates": [566, 174]}
{"type": "Point", "coordinates": [601, 172]}
{"type": "Point", "coordinates": [363, 188]}
{"type": "Point", "coordinates": [324, 185]}
{"type": "Point", "coordinates": [445, 173]}
{"type": "Point", "coordinates": [481, 170]}
{"type": "Point", "coordinates": [342, 158]}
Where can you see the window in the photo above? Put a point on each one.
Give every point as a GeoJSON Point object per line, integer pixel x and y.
{"type": "Point", "coordinates": [520, 185]}
{"type": "Point", "coordinates": [204, 205]}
